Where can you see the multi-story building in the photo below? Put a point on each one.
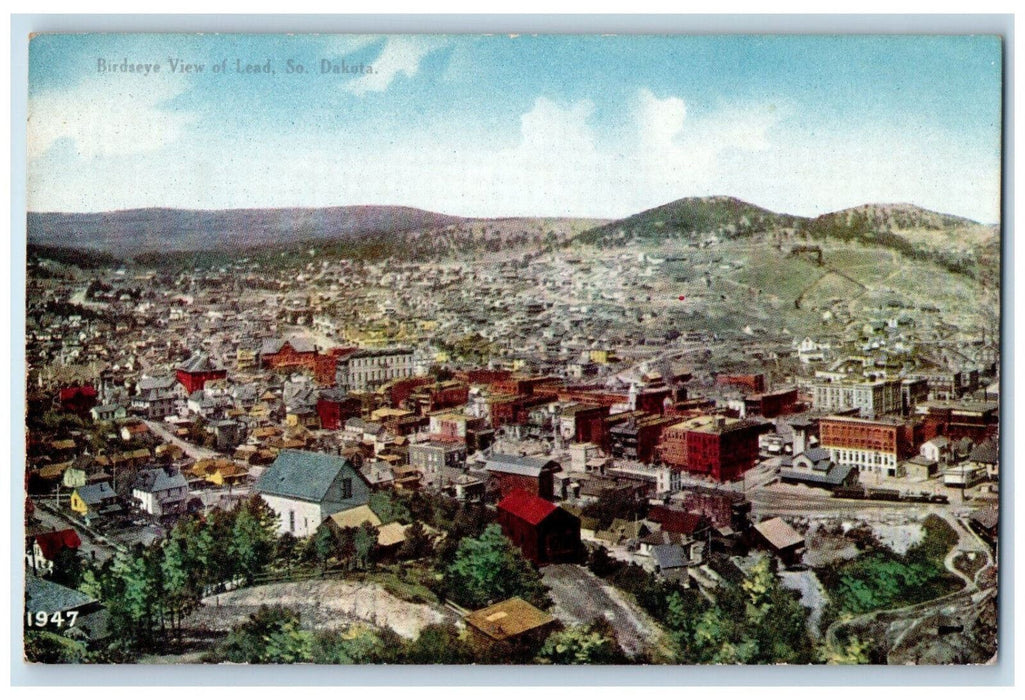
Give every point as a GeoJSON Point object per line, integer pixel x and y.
{"type": "Point", "coordinates": [871, 397]}
{"type": "Point", "coordinates": [877, 446]}
{"type": "Point", "coordinates": [365, 370]}
{"type": "Point", "coordinates": [716, 446]}
{"type": "Point", "coordinates": [430, 458]}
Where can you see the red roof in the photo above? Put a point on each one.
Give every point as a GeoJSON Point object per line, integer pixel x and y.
{"type": "Point", "coordinates": [527, 507]}
{"type": "Point", "coordinates": [672, 520]}
{"type": "Point", "coordinates": [73, 392]}
{"type": "Point", "coordinates": [51, 543]}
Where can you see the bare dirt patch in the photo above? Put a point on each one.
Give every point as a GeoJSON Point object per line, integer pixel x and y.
{"type": "Point", "coordinates": [323, 605]}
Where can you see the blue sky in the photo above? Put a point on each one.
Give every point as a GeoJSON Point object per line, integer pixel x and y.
{"type": "Point", "coordinates": [516, 126]}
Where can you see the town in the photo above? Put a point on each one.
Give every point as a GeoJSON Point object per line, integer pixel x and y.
{"type": "Point", "coordinates": [725, 447]}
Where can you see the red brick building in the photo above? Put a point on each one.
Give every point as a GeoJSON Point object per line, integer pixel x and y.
{"type": "Point", "coordinates": [194, 374]}
{"type": "Point", "coordinates": [544, 532]}
{"type": "Point", "coordinates": [776, 403]}
{"type": "Point", "coordinates": [877, 446]}
{"type": "Point", "coordinates": [716, 446]}
{"type": "Point", "coordinates": [534, 475]}
{"type": "Point", "coordinates": [294, 353]}
{"type": "Point", "coordinates": [435, 397]}
{"type": "Point", "coordinates": [755, 383]}
{"type": "Point", "coordinates": [334, 408]}
{"type": "Point", "coordinates": [519, 385]}
{"type": "Point", "coordinates": [976, 420]}
{"type": "Point", "coordinates": [325, 365]}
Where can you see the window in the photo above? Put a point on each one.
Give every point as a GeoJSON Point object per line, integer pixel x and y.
{"type": "Point", "coordinates": [291, 521]}
{"type": "Point", "coordinates": [346, 488]}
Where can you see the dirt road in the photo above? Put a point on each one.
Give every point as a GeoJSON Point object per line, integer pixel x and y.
{"type": "Point", "coordinates": [581, 597]}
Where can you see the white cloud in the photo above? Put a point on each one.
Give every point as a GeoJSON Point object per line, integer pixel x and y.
{"type": "Point", "coordinates": [107, 115]}
{"type": "Point", "coordinates": [401, 54]}
{"type": "Point", "coordinates": [562, 162]}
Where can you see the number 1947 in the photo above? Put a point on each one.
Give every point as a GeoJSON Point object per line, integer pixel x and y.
{"type": "Point", "coordinates": [43, 618]}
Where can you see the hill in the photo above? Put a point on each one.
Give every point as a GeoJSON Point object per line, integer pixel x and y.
{"type": "Point", "coordinates": [691, 217]}
{"type": "Point", "coordinates": [135, 231]}
{"type": "Point", "coordinates": [953, 242]}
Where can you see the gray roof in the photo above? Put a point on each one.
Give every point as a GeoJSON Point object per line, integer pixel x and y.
{"type": "Point", "coordinates": [306, 476]}
{"type": "Point", "coordinates": [833, 477]}
{"type": "Point", "coordinates": [817, 454]}
{"type": "Point", "coordinates": [985, 453]}
{"type": "Point", "coordinates": [150, 383]}
{"type": "Point", "coordinates": [155, 480]}
{"type": "Point", "coordinates": [95, 493]}
{"type": "Point", "coordinates": [514, 464]}
{"type": "Point", "coordinates": [668, 556]}
{"type": "Point", "coordinates": [200, 363]}
{"type": "Point", "coordinates": [45, 596]}
{"type": "Point", "coordinates": [271, 346]}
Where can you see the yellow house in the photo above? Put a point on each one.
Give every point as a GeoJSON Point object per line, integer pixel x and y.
{"type": "Point", "coordinates": [94, 499]}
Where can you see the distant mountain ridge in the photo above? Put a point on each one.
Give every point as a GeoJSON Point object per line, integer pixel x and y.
{"type": "Point", "coordinates": [376, 232]}
{"type": "Point", "coordinates": [174, 230]}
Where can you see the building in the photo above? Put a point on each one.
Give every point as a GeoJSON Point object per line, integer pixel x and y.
{"type": "Point", "coordinates": [723, 508]}
{"type": "Point", "coordinates": [334, 408]}
{"type": "Point", "coordinates": [544, 532]}
{"type": "Point", "coordinates": [431, 458]}
{"type": "Point", "coordinates": [95, 500]}
{"type": "Point", "coordinates": [986, 456]}
{"type": "Point", "coordinates": [975, 420]}
{"type": "Point", "coordinates": [873, 446]}
{"type": "Point", "coordinates": [44, 548]}
{"type": "Point", "coordinates": [637, 437]}
{"type": "Point", "coordinates": [61, 607]}
{"type": "Point", "coordinates": [158, 397]}
{"type": "Point", "coordinates": [511, 621]}
{"type": "Point", "coordinates": [815, 467]}
{"type": "Point", "coordinates": [535, 475]}
{"type": "Point", "coordinates": [772, 404]}
{"type": "Point", "coordinates": [365, 370]}
{"type": "Point", "coordinates": [161, 491]}
{"type": "Point", "coordinates": [781, 539]}
{"type": "Point", "coordinates": [871, 397]}
{"type": "Point", "coordinates": [303, 488]}
{"type": "Point", "coordinates": [754, 383]}
{"type": "Point", "coordinates": [290, 354]}
{"type": "Point", "coordinates": [200, 369]}
{"type": "Point", "coordinates": [712, 445]}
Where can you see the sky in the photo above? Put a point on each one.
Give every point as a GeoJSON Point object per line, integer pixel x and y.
{"type": "Point", "coordinates": [475, 125]}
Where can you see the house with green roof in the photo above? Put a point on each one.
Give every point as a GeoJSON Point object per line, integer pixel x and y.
{"type": "Point", "coordinates": [305, 488]}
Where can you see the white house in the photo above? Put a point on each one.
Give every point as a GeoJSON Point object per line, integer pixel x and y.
{"type": "Point", "coordinates": [304, 488]}
{"type": "Point", "coordinates": [160, 491]}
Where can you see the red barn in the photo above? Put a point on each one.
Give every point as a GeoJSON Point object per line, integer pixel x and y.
{"type": "Point", "coordinates": [544, 532]}
{"type": "Point", "coordinates": [194, 374]}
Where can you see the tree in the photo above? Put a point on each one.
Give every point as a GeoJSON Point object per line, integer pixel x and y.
{"type": "Point", "coordinates": [68, 568]}
{"type": "Point", "coordinates": [253, 538]}
{"type": "Point", "coordinates": [357, 645]}
{"type": "Point", "coordinates": [437, 644]}
{"type": "Point", "coordinates": [388, 509]}
{"type": "Point", "coordinates": [581, 645]}
{"type": "Point", "coordinates": [272, 635]}
{"type": "Point", "coordinates": [417, 544]}
{"type": "Point", "coordinates": [364, 541]}
{"type": "Point", "coordinates": [323, 545]}
{"type": "Point", "coordinates": [488, 569]}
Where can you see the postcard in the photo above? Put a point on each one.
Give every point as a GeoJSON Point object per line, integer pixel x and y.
{"type": "Point", "coordinates": [513, 349]}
